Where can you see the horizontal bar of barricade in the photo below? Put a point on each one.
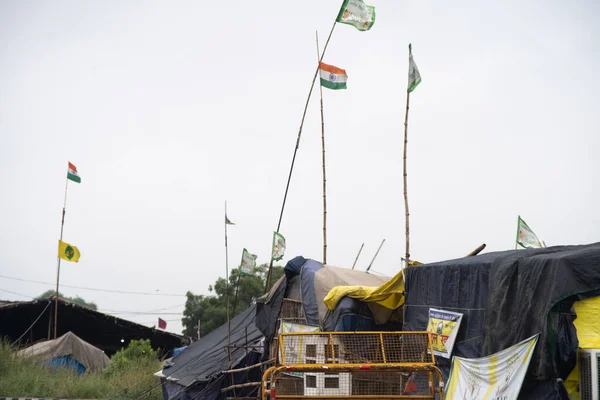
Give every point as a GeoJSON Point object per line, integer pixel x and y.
{"type": "Point", "coordinates": [355, 348]}
{"type": "Point", "coordinates": [353, 382]}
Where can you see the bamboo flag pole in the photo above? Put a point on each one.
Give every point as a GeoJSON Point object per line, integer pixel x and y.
{"type": "Point", "coordinates": [324, 175]}
{"type": "Point", "coordinates": [269, 273]}
{"type": "Point", "coordinates": [414, 78]}
{"type": "Point", "coordinates": [406, 213]}
{"type": "Point", "coordinates": [227, 289]}
{"type": "Point", "coordinates": [62, 225]}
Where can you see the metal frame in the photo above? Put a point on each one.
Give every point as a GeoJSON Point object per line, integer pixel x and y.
{"type": "Point", "coordinates": [271, 375]}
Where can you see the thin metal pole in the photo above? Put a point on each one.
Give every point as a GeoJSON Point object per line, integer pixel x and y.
{"type": "Point", "coordinates": [375, 256]}
{"type": "Point", "coordinates": [406, 213]}
{"type": "Point", "coordinates": [356, 259]}
{"type": "Point", "coordinates": [324, 176]}
{"type": "Point", "coordinates": [62, 225]}
{"type": "Point", "coordinates": [227, 290]}
{"type": "Point", "coordinates": [268, 279]}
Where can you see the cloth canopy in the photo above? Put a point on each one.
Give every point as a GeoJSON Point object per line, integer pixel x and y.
{"type": "Point", "coordinates": [69, 344]}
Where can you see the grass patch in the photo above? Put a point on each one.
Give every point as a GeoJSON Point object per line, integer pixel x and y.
{"type": "Point", "coordinates": [24, 377]}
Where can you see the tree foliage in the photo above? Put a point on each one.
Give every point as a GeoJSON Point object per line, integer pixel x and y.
{"type": "Point", "coordinates": [76, 299]}
{"type": "Point", "coordinates": [211, 310]}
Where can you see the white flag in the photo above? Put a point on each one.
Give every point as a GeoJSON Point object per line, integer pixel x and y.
{"type": "Point", "coordinates": [278, 246]}
{"type": "Point", "coordinates": [248, 262]}
{"type": "Point", "coordinates": [498, 376]}
{"type": "Point", "coordinates": [525, 236]}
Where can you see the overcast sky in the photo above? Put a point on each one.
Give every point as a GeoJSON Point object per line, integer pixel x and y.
{"type": "Point", "coordinates": [170, 108]}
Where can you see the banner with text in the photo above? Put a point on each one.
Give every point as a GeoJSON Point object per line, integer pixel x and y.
{"type": "Point", "coordinates": [443, 326]}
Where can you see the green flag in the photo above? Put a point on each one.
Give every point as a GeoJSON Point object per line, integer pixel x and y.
{"type": "Point", "coordinates": [525, 236]}
{"type": "Point", "coordinates": [278, 246]}
{"type": "Point", "coordinates": [227, 221]}
{"type": "Point", "coordinates": [248, 262]}
{"type": "Point", "coordinates": [414, 77]}
{"type": "Point", "coordinates": [357, 14]}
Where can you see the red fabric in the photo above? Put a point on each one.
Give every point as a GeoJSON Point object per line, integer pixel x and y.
{"type": "Point", "coordinates": [162, 324]}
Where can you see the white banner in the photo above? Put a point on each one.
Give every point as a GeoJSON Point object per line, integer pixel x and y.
{"type": "Point", "coordinates": [495, 377]}
{"type": "Point", "coordinates": [443, 326]}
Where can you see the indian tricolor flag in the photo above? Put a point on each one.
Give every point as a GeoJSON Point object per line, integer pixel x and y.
{"type": "Point", "coordinates": [332, 77]}
{"type": "Point", "coordinates": [72, 174]}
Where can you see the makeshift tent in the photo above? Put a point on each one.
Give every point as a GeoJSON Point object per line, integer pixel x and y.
{"type": "Point", "coordinates": [308, 282]}
{"type": "Point", "coordinates": [106, 332]}
{"type": "Point", "coordinates": [507, 297]}
{"type": "Point", "coordinates": [68, 351]}
{"type": "Point", "coordinates": [197, 371]}
{"type": "Point", "coordinates": [382, 300]}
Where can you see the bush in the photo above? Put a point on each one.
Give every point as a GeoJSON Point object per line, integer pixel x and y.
{"type": "Point", "coordinates": [138, 353]}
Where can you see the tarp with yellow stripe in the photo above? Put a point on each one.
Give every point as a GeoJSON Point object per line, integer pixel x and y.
{"type": "Point", "coordinates": [389, 296]}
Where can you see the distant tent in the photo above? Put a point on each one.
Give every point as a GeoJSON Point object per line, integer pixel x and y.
{"type": "Point", "coordinates": [68, 351]}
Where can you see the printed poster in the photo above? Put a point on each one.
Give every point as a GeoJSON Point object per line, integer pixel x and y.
{"type": "Point", "coordinates": [443, 326]}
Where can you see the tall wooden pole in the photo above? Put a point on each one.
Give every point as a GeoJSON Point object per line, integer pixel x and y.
{"type": "Point", "coordinates": [227, 289]}
{"type": "Point", "coordinates": [269, 273]}
{"type": "Point", "coordinates": [406, 213]}
{"type": "Point", "coordinates": [324, 175]}
{"type": "Point", "coordinates": [62, 225]}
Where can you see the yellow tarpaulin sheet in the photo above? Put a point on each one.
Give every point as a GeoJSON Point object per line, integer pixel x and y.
{"type": "Point", "coordinates": [588, 334]}
{"type": "Point", "coordinates": [389, 295]}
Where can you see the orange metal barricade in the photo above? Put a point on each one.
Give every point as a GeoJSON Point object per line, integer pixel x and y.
{"type": "Point", "coordinates": [353, 365]}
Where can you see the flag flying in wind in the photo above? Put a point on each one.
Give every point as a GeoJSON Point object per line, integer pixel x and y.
{"type": "Point", "coordinates": [357, 14]}
{"type": "Point", "coordinates": [332, 77]}
{"type": "Point", "coordinates": [162, 324]}
{"type": "Point", "coordinates": [414, 77]}
{"type": "Point", "coordinates": [227, 221]}
{"type": "Point", "coordinates": [248, 262]}
{"type": "Point", "coordinates": [72, 174]}
{"type": "Point", "coordinates": [68, 252]}
{"type": "Point", "coordinates": [278, 246]}
{"type": "Point", "coordinates": [525, 236]}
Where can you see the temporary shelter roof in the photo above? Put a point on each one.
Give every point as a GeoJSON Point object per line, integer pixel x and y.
{"type": "Point", "coordinates": [312, 281]}
{"type": "Point", "coordinates": [507, 297]}
{"type": "Point", "coordinates": [205, 359]}
{"type": "Point", "coordinates": [92, 358]}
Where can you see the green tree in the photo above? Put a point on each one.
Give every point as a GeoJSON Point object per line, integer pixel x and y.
{"type": "Point", "coordinates": [76, 299]}
{"type": "Point", "coordinates": [211, 310]}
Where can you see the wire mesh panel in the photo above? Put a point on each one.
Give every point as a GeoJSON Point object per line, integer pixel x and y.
{"type": "Point", "coordinates": [356, 348]}
{"type": "Point", "coordinates": [355, 385]}
{"type": "Point", "coordinates": [354, 365]}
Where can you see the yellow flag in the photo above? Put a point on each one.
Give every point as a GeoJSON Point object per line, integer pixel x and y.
{"type": "Point", "coordinates": [68, 252]}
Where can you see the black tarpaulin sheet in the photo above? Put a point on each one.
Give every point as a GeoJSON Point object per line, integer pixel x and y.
{"type": "Point", "coordinates": [525, 286]}
{"type": "Point", "coordinates": [269, 305]}
{"type": "Point", "coordinates": [205, 359]}
{"type": "Point", "coordinates": [507, 297]}
{"type": "Point", "coordinates": [456, 285]}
